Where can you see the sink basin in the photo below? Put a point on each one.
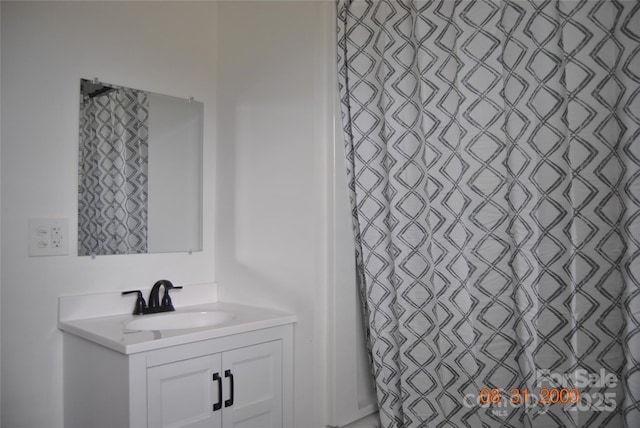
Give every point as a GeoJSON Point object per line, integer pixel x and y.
{"type": "Point", "coordinates": [178, 320]}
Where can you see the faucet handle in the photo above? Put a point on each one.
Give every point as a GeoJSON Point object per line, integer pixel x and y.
{"type": "Point", "coordinates": [141, 305]}
{"type": "Point", "coordinates": [166, 299]}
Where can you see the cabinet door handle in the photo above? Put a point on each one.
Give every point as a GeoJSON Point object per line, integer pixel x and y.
{"type": "Point", "coordinates": [217, 378]}
{"type": "Point", "coordinates": [229, 402]}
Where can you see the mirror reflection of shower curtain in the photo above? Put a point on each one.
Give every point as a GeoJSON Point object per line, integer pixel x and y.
{"type": "Point", "coordinates": [113, 173]}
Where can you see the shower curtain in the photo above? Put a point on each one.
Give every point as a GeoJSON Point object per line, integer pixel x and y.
{"type": "Point", "coordinates": [493, 156]}
{"type": "Point", "coordinates": [113, 173]}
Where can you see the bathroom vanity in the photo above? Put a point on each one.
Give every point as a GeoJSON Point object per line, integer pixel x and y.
{"type": "Point", "coordinates": [232, 368]}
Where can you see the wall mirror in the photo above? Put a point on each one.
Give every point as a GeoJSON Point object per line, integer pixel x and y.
{"type": "Point", "coordinates": [139, 171]}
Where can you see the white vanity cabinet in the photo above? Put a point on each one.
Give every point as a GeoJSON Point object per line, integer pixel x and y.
{"type": "Point", "coordinates": [236, 388]}
{"type": "Point", "coordinates": [237, 380]}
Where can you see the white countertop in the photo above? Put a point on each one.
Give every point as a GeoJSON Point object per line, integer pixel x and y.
{"type": "Point", "coordinates": [109, 330]}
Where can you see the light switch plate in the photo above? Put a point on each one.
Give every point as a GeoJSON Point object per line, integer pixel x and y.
{"type": "Point", "coordinates": [48, 237]}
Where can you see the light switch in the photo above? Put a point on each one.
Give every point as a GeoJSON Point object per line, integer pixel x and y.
{"type": "Point", "coordinates": [48, 237]}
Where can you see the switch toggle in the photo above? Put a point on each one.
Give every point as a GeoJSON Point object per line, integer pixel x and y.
{"type": "Point", "coordinates": [48, 237]}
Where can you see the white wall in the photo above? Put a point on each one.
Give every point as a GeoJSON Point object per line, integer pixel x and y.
{"type": "Point", "coordinates": [0, 219]}
{"type": "Point", "coordinates": [274, 139]}
{"type": "Point", "coordinates": [271, 64]}
{"type": "Point", "coordinates": [47, 47]}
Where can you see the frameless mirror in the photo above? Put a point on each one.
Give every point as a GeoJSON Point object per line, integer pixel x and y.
{"type": "Point", "coordinates": [139, 171]}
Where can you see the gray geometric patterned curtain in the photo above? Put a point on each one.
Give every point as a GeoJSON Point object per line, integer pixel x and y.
{"type": "Point", "coordinates": [113, 173]}
{"type": "Point", "coordinates": [493, 155]}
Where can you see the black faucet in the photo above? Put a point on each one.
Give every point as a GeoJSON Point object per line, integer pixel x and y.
{"type": "Point", "coordinates": [154, 296]}
{"type": "Point", "coordinates": [155, 306]}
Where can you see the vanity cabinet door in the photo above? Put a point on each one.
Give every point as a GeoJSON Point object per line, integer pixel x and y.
{"type": "Point", "coordinates": [183, 393]}
{"type": "Point", "coordinates": [239, 388]}
{"type": "Point", "coordinates": [257, 386]}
